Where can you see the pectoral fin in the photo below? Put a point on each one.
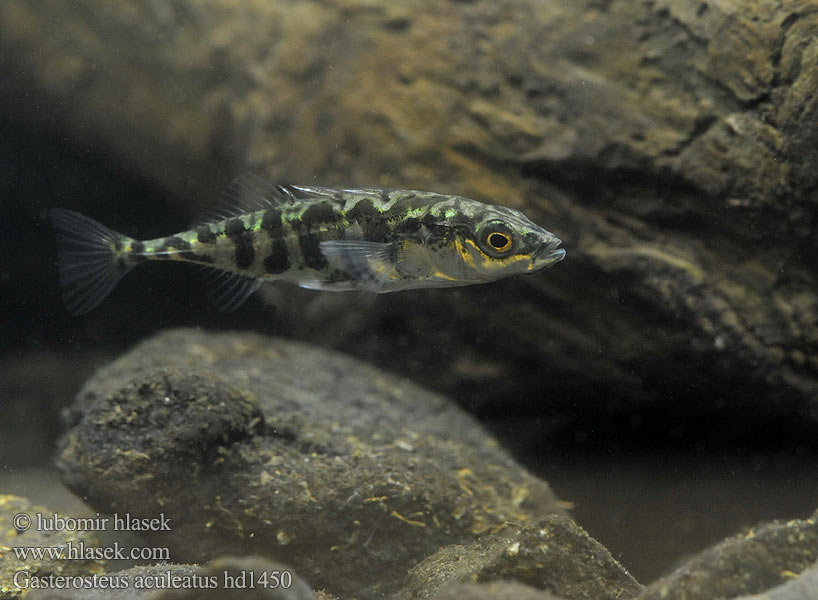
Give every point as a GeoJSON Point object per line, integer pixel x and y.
{"type": "Point", "coordinates": [369, 264]}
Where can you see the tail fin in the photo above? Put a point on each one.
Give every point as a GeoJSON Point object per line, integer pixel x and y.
{"type": "Point", "coordinates": [90, 260]}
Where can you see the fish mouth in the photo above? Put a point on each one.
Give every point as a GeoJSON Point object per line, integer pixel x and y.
{"type": "Point", "coordinates": [555, 255]}
{"type": "Point", "coordinates": [550, 253]}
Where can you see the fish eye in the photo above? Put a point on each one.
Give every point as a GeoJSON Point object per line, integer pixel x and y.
{"type": "Point", "coordinates": [499, 241]}
{"type": "Point", "coordinates": [496, 239]}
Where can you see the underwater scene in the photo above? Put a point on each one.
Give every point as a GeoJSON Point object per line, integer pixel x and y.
{"type": "Point", "coordinates": [378, 300]}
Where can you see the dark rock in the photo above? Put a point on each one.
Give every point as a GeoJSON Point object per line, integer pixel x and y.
{"type": "Point", "coordinates": [496, 590]}
{"type": "Point", "coordinates": [552, 554]}
{"type": "Point", "coordinates": [750, 563]}
{"type": "Point", "coordinates": [802, 587]}
{"type": "Point", "coordinates": [257, 445]}
{"type": "Point", "coordinates": [16, 532]}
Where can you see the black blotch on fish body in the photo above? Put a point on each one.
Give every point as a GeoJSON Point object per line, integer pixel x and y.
{"type": "Point", "coordinates": [170, 246]}
{"type": "Point", "coordinates": [175, 243]}
{"type": "Point", "coordinates": [362, 210]}
{"type": "Point", "coordinates": [136, 255]}
{"type": "Point", "coordinates": [271, 223]}
{"type": "Point", "coordinates": [245, 251]}
{"type": "Point", "coordinates": [406, 226]}
{"type": "Point", "coordinates": [374, 224]}
{"type": "Point", "coordinates": [311, 251]}
{"type": "Point", "coordinates": [243, 241]}
{"type": "Point", "coordinates": [278, 260]}
{"type": "Point", "coordinates": [234, 227]}
{"type": "Point", "coordinates": [430, 221]}
{"type": "Point", "coordinates": [447, 230]}
{"type": "Point", "coordinates": [205, 235]}
{"type": "Point", "coordinates": [321, 212]}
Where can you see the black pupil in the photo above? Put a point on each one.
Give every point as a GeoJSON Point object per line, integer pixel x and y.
{"type": "Point", "coordinates": [498, 240]}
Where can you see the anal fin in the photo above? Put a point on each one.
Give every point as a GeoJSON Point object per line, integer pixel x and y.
{"type": "Point", "coordinates": [229, 290]}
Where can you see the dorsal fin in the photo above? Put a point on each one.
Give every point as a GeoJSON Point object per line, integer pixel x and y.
{"type": "Point", "coordinates": [246, 193]}
{"type": "Point", "coordinates": [252, 192]}
{"type": "Point", "coordinates": [311, 191]}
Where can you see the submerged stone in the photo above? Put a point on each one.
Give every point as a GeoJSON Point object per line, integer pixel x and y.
{"type": "Point", "coordinates": [552, 554]}
{"type": "Point", "coordinates": [802, 587]}
{"type": "Point", "coordinates": [249, 444]}
{"type": "Point", "coordinates": [760, 558]}
{"type": "Point", "coordinates": [496, 590]}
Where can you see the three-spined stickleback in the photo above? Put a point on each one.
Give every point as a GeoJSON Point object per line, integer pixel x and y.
{"type": "Point", "coordinates": [373, 240]}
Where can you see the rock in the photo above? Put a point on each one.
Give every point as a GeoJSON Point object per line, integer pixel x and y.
{"type": "Point", "coordinates": [497, 590]}
{"type": "Point", "coordinates": [801, 588]}
{"type": "Point", "coordinates": [552, 554]}
{"type": "Point", "coordinates": [21, 529]}
{"type": "Point", "coordinates": [669, 144]}
{"type": "Point", "coordinates": [257, 445]}
{"type": "Point", "coordinates": [227, 577]}
{"type": "Point", "coordinates": [750, 563]}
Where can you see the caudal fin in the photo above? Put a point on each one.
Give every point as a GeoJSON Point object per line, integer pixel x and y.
{"type": "Point", "coordinates": [91, 262]}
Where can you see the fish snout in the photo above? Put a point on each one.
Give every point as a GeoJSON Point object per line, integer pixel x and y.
{"type": "Point", "coordinates": [550, 252]}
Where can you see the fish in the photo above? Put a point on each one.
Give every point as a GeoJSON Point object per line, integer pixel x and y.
{"type": "Point", "coordinates": [372, 240]}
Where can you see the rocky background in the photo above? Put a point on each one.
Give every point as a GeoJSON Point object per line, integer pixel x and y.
{"type": "Point", "coordinates": [663, 377]}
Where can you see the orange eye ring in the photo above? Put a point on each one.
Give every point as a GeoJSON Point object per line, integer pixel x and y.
{"type": "Point", "coordinates": [496, 239]}
{"type": "Point", "coordinates": [500, 242]}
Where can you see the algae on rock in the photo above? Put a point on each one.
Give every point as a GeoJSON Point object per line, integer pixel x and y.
{"type": "Point", "coordinates": [252, 444]}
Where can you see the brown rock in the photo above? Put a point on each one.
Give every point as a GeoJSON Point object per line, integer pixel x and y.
{"type": "Point", "coordinates": [496, 590]}
{"type": "Point", "coordinates": [250, 444]}
{"type": "Point", "coordinates": [552, 554]}
{"type": "Point", "coordinates": [750, 563]}
{"type": "Point", "coordinates": [796, 588]}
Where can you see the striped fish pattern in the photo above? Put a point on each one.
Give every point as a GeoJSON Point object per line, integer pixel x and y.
{"type": "Point", "coordinates": [372, 240]}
